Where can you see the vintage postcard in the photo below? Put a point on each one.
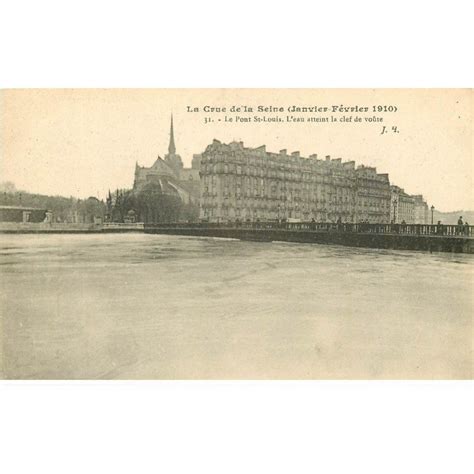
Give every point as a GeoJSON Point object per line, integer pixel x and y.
{"type": "Point", "coordinates": [236, 234]}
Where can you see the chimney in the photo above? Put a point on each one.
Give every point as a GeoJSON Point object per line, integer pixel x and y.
{"type": "Point", "coordinates": [283, 152]}
{"type": "Point", "coordinates": [328, 157]}
{"type": "Point", "coordinates": [295, 153]}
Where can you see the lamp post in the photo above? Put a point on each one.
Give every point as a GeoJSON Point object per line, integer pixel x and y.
{"type": "Point", "coordinates": [432, 212]}
{"type": "Point", "coordinates": [394, 210]}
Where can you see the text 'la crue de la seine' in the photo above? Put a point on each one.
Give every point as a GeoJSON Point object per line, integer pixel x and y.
{"type": "Point", "coordinates": [341, 108]}
{"type": "Point", "coordinates": [326, 114]}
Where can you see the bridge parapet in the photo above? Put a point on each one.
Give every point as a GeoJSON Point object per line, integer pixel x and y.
{"type": "Point", "coordinates": [396, 229]}
{"type": "Point", "coordinates": [433, 238]}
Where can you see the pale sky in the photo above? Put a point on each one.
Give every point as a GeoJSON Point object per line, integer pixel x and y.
{"type": "Point", "coordinates": [83, 142]}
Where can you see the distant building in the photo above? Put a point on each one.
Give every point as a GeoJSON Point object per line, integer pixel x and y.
{"type": "Point", "coordinates": [253, 184]}
{"type": "Point", "coordinates": [170, 175]}
{"type": "Point", "coordinates": [24, 214]}
{"type": "Point", "coordinates": [422, 212]}
{"type": "Point", "coordinates": [403, 206]}
{"type": "Point", "coordinates": [408, 208]}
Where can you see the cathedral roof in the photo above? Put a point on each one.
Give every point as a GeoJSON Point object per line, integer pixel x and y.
{"type": "Point", "coordinates": [160, 166]}
{"type": "Point", "coordinates": [159, 186]}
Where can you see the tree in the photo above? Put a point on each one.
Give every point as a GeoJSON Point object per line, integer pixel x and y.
{"type": "Point", "coordinates": [7, 187]}
{"type": "Point", "coordinates": [153, 206]}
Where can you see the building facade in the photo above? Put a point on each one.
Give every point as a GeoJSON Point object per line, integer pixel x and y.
{"type": "Point", "coordinates": [250, 184]}
{"type": "Point", "coordinates": [403, 206]}
{"type": "Point", "coordinates": [422, 212]}
{"type": "Point", "coordinates": [411, 209]}
{"type": "Point", "coordinates": [170, 175]}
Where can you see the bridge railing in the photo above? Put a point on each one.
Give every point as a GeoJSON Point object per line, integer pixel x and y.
{"type": "Point", "coordinates": [361, 227]}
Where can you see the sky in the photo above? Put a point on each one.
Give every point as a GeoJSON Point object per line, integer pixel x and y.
{"type": "Point", "coordinates": [82, 142]}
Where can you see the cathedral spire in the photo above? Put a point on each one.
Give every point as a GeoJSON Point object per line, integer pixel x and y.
{"type": "Point", "coordinates": [172, 147]}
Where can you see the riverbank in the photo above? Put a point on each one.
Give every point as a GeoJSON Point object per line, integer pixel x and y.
{"type": "Point", "coordinates": [67, 228]}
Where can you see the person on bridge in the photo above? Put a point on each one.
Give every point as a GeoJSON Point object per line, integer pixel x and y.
{"type": "Point", "coordinates": [439, 228]}
{"type": "Point", "coordinates": [460, 226]}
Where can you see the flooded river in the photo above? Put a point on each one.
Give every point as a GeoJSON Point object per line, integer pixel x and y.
{"type": "Point", "coordinates": [134, 306]}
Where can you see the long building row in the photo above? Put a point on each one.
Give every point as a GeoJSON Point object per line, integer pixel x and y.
{"type": "Point", "coordinates": [240, 183]}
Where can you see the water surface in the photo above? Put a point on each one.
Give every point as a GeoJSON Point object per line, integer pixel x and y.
{"type": "Point", "coordinates": [128, 306]}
